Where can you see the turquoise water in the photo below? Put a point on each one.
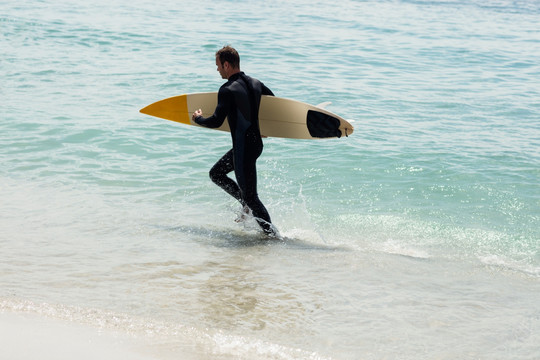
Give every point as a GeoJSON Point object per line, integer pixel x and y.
{"type": "Point", "coordinates": [416, 237]}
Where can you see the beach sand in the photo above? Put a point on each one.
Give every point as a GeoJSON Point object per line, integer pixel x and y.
{"type": "Point", "coordinates": [29, 337]}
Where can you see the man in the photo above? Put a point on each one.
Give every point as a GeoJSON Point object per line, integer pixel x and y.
{"type": "Point", "coordinates": [238, 101]}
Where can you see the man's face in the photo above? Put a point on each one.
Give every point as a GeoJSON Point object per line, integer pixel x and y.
{"type": "Point", "coordinates": [221, 69]}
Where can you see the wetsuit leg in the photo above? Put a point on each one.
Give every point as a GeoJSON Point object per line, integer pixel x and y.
{"type": "Point", "coordinates": [246, 175]}
{"type": "Point", "coordinates": [219, 172]}
{"type": "Point", "coordinates": [246, 189]}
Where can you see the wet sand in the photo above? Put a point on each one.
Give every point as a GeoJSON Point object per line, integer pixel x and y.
{"type": "Point", "coordinates": [29, 337]}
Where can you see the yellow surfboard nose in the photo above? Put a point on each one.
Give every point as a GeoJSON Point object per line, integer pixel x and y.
{"type": "Point", "coordinates": [174, 108]}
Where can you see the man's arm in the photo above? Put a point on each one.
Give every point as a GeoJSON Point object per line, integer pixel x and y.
{"type": "Point", "coordinates": [217, 119]}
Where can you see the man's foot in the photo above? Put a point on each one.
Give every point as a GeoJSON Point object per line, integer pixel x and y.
{"type": "Point", "coordinates": [269, 230]}
{"type": "Point", "coordinates": [244, 214]}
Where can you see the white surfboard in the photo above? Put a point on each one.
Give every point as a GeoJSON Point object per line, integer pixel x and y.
{"type": "Point", "coordinates": [278, 117]}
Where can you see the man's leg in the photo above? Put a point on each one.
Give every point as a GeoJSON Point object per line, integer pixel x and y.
{"type": "Point", "coordinates": [247, 180]}
{"type": "Point", "coordinates": [219, 172]}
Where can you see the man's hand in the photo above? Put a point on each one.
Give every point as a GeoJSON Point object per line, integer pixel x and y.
{"type": "Point", "coordinates": [196, 114]}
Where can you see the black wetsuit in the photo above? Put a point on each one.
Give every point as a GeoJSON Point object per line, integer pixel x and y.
{"type": "Point", "coordinates": [238, 100]}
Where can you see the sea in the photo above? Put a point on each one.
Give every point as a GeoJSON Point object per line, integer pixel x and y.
{"type": "Point", "coordinates": [416, 237]}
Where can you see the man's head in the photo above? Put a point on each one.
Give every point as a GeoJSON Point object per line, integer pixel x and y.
{"type": "Point", "coordinates": [227, 61]}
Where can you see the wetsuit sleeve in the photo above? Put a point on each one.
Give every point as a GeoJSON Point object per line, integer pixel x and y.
{"type": "Point", "coordinates": [266, 91]}
{"type": "Point", "coordinates": [222, 109]}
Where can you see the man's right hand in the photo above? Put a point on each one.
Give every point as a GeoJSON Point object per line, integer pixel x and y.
{"type": "Point", "coordinates": [196, 114]}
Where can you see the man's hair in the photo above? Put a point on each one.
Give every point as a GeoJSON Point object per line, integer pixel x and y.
{"type": "Point", "coordinates": [229, 54]}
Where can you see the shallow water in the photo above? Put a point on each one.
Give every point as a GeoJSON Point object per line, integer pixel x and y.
{"type": "Point", "coordinates": [417, 237]}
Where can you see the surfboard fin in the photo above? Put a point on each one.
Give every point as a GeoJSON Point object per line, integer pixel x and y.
{"type": "Point", "coordinates": [323, 105]}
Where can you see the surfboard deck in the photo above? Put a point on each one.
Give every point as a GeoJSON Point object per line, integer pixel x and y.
{"type": "Point", "coordinates": [278, 117]}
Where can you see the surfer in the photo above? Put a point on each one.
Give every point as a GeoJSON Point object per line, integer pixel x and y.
{"type": "Point", "coordinates": [238, 101]}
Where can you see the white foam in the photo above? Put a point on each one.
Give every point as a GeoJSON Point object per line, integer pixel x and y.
{"type": "Point", "coordinates": [304, 235]}
{"type": "Point", "coordinates": [509, 264]}
{"type": "Point", "coordinates": [395, 247]}
{"type": "Point", "coordinates": [245, 348]}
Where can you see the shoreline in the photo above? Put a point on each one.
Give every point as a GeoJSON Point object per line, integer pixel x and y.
{"type": "Point", "coordinates": [29, 336]}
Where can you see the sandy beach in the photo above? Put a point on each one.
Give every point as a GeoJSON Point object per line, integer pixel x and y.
{"type": "Point", "coordinates": [29, 337]}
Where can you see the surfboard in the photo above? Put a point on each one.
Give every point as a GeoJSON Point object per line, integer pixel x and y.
{"type": "Point", "coordinates": [278, 117]}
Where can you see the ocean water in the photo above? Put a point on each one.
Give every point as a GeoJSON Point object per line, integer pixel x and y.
{"type": "Point", "coordinates": [417, 237]}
